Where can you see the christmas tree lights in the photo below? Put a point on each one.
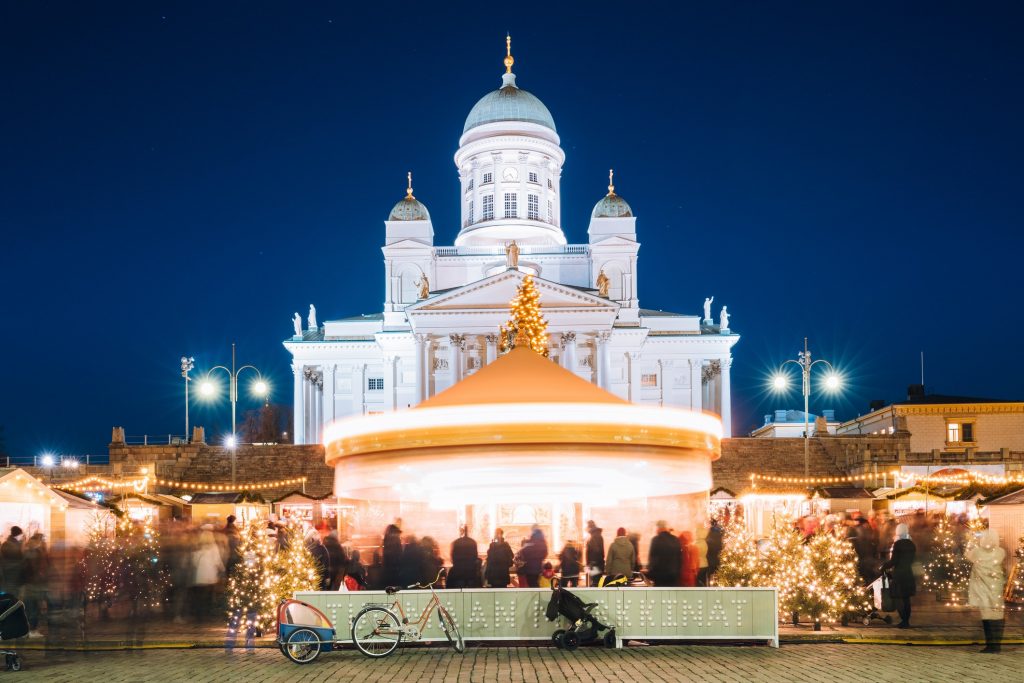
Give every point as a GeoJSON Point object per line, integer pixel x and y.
{"type": "Point", "coordinates": [526, 325]}
{"type": "Point", "coordinates": [295, 568]}
{"type": "Point", "coordinates": [251, 586]}
{"type": "Point", "coordinates": [1014, 593]}
{"type": "Point", "coordinates": [947, 571]}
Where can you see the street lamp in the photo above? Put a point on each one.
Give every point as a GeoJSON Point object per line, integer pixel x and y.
{"type": "Point", "coordinates": [832, 383]}
{"type": "Point", "coordinates": [207, 389]}
{"type": "Point", "coordinates": [187, 363]}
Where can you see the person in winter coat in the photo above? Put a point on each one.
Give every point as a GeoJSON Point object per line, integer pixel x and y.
{"type": "Point", "coordinates": [12, 560]}
{"type": "Point", "coordinates": [355, 573]}
{"type": "Point", "coordinates": [432, 562]}
{"type": "Point", "coordinates": [413, 559]}
{"type": "Point", "coordinates": [903, 586]}
{"type": "Point", "coordinates": [322, 557]}
{"type": "Point", "coordinates": [690, 560]}
{"type": "Point", "coordinates": [714, 541]}
{"type": "Point", "coordinates": [985, 587]}
{"type": "Point", "coordinates": [665, 557]}
{"type": "Point", "coordinates": [595, 553]}
{"type": "Point", "coordinates": [499, 561]}
{"type": "Point", "coordinates": [534, 553]}
{"type": "Point", "coordinates": [465, 571]}
{"type": "Point", "coordinates": [207, 565]}
{"type": "Point", "coordinates": [569, 564]}
{"type": "Point", "coordinates": [391, 556]}
{"type": "Point", "coordinates": [621, 555]}
{"type": "Point", "coordinates": [336, 553]}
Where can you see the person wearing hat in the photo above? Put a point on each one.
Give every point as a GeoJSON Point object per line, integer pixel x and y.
{"type": "Point", "coordinates": [901, 563]}
{"type": "Point", "coordinates": [12, 561]}
{"type": "Point", "coordinates": [664, 561]}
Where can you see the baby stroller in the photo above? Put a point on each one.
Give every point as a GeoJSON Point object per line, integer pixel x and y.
{"type": "Point", "coordinates": [583, 626]}
{"type": "Point", "coordinates": [621, 580]}
{"type": "Point", "coordinates": [13, 624]}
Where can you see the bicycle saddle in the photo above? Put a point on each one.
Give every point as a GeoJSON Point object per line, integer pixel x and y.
{"type": "Point", "coordinates": [391, 590]}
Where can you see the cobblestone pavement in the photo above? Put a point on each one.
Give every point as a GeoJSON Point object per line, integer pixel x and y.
{"type": "Point", "coordinates": [817, 662]}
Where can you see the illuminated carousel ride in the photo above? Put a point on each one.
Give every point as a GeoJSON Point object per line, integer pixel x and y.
{"type": "Point", "coordinates": [524, 442]}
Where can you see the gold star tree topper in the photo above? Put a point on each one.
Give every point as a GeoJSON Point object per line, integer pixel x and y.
{"type": "Point", "coordinates": [526, 325]}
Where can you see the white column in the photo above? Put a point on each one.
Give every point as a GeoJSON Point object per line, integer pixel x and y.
{"type": "Point", "coordinates": [389, 382]}
{"type": "Point", "coordinates": [633, 358]}
{"type": "Point", "coordinates": [421, 367]}
{"type": "Point", "coordinates": [456, 343]}
{"type": "Point", "coordinates": [696, 390]}
{"type": "Point", "coordinates": [299, 407]}
{"type": "Point", "coordinates": [726, 398]}
{"type": "Point", "coordinates": [307, 409]}
{"type": "Point", "coordinates": [492, 348]}
{"type": "Point", "coordinates": [318, 403]}
{"type": "Point", "coordinates": [568, 343]}
{"type": "Point", "coordinates": [329, 409]}
{"type": "Point", "coordinates": [358, 387]}
{"type": "Point", "coordinates": [604, 360]}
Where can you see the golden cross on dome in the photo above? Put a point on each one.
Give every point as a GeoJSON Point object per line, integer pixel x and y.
{"type": "Point", "coordinates": [408, 190]}
{"type": "Point", "coordinates": [509, 60]}
{"type": "Point", "coordinates": [611, 179]}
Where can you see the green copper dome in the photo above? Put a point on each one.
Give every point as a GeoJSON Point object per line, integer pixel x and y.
{"type": "Point", "coordinates": [509, 103]}
{"type": "Point", "coordinates": [409, 209]}
{"type": "Point", "coordinates": [612, 206]}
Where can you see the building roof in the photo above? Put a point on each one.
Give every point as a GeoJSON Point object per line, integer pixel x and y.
{"type": "Point", "coordinates": [940, 399]}
{"type": "Point", "coordinates": [509, 103]}
{"type": "Point", "coordinates": [843, 492]}
{"type": "Point", "coordinates": [521, 376]}
{"type": "Point", "coordinates": [1015, 498]}
{"type": "Point", "coordinates": [612, 206]}
{"type": "Point", "coordinates": [409, 208]}
{"type": "Point", "coordinates": [651, 313]}
{"type": "Point", "coordinates": [226, 498]}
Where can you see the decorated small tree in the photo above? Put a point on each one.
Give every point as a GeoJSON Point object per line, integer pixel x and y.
{"type": "Point", "coordinates": [295, 568]}
{"type": "Point", "coordinates": [101, 565]}
{"type": "Point", "coordinates": [251, 588]}
{"type": "Point", "coordinates": [740, 563]}
{"type": "Point", "coordinates": [526, 325]}
{"type": "Point", "coordinates": [836, 580]}
{"type": "Point", "coordinates": [788, 567]}
{"type": "Point", "coordinates": [144, 578]}
{"type": "Point", "coordinates": [947, 571]}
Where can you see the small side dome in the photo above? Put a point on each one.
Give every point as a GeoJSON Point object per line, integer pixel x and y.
{"type": "Point", "coordinates": [612, 205]}
{"type": "Point", "coordinates": [409, 208]}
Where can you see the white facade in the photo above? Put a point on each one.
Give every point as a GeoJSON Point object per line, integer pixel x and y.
{"type": "Point", "coordinates": [443, 305]}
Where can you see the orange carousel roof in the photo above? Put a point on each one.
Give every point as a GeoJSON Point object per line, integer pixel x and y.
{"type": "Point", "coordinates": [521, 376]}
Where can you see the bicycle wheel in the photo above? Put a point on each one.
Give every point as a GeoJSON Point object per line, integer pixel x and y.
{"type": "Point", "coordinates": [376, 631]}
{"type": "Point", "coordinates": [302, 647]}
{"type": "Point", "coordinates": [451, 631]}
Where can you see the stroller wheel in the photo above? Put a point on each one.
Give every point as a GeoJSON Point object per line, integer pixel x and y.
{"type": "Point", "coordinates": [570, 641]}
{"type": "Point", "coordinates": [13, 663]}
{"type": "Point", "coordinates": [887, 619]}
{"type": "Point", "coordinates": [556, 638]}
{"type": "Point", "coordinates": [609, 639]}
{"type": "Point", "coordinates": [867, 621]}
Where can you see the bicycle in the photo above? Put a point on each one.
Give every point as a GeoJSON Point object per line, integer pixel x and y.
{"type": "Point", "coordinates": [378, 629]}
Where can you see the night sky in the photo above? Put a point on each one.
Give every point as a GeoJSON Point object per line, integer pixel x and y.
{"type": "Point", "coordinates": [177, 176]}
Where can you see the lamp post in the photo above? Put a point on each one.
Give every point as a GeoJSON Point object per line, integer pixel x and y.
{"type": "Point", "coordinates": [207, 389]}
{"type": "Point", "coordinates": [187, 363]}
{"type": "Point", "coordinates": [781, 381]}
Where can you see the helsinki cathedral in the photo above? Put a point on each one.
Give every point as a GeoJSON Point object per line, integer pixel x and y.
{"type": "Point", "coordinates": [444, 305]}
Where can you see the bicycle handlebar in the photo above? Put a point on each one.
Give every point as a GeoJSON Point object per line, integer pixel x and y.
{"type": "Point", "coordinates": [431, 584]}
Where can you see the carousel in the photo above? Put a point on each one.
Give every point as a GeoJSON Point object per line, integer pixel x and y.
{"type": "Point", "coordinates": [521, 443]}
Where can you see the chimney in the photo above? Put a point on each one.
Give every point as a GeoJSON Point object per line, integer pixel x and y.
{"type": "Point", "coordinates": [876, 404]}
{"type": "Point", "coordinates": [767, 419]}
{"type": "Point", "coordinates": [915, 392]}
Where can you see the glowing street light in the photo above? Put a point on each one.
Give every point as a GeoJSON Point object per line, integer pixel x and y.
{"type": "Point", "coordinates": [833, 382]}
{"type": "Point", "coordinates": [47, 460]}
{"type": "Point", "coordinates": [208, 389]}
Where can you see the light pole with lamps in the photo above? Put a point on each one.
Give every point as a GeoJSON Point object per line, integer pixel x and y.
{"type": "Point", "coordinates": [207, 389]}
{"type": "Point", "coordinates": [781, 381]}
{"type": "Point", "coordinates": [187, 363]}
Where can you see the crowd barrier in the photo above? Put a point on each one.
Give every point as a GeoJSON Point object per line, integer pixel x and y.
{"type": "Point", "coordinates": [637, 613]}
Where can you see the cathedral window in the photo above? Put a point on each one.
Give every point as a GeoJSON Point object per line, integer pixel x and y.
{"type": "Point", "coordinates": [375, 384]}
{"type": "Point", "coordinates": [551, 212]}
{"type": "Point", "coordinates": [511, 206]}
{"type": "Point", "coordinates": [551, 185]}
{"type": "Point", "coordinates": [533, 177]}
{"type": "Point", "coordinates": [469, 213]}
{"type": "Point", "coordinates": [533, 207]}
{"type": "Point", "coordinates": [488, 178]}
{"type": "Point", "coordinates": [488, 213]}
{"type": "Point", "coordinates": [649, 380]}
{"type": "Point", "coordinates": [469, 186]}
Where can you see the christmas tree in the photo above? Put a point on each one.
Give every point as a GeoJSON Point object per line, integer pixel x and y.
{"type": "Point", "coordinates": [947, 571]}
{"type": "Point", "coordinates": [788, 567]}
{"type": "Point", "coordinates": [101, 565]}
{"type": "Point", "coordinates": [526, 325]}
{"type": "Point", "coordinates": [251, 596]}
{"type": "Point", "coordinates": [295, 568]}
{"type": "Point", "coordinates": [837, 584]}
{"type": "Point", "coordinates": [740, 563]}
{"type": "Point", "coordinates": [144, 577]}
{"type": "Point", "coordinates": [1015, 584]}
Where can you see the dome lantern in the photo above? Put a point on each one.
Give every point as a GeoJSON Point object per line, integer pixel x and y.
{"type": "Point", "coordinates": [612, 205]}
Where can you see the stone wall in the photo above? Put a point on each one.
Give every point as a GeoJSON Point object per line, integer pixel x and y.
{"type": "Point", "coordinates": [774, 456]}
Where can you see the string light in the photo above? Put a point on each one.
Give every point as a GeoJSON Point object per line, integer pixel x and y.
{"type": "Point", "coordinates": [901, 478]}
{"type": "Point", "coordinates": [526, 326]}
{"type": "Point", "coordinates": [842, 479]}
{"type": "Point", "coordinates": [97, 484]}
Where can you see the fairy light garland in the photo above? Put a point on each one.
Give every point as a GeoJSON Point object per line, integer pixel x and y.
{"type": "Point", "coordinates": [901, 478]}
{"type": "Point", "coordinates": [98, 484]}
{"type": "Point", "coordinates": [248, 486]}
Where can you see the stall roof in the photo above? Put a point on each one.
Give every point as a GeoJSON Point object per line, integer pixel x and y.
{"type": "Point", "coordinates": [79, 502]}
{"type": "Point", "coordinates": [226, 498]}
{"type": "Point", "coordinates": [843, 492]}
{"type": "Point", "coordinates": [1015, 498]}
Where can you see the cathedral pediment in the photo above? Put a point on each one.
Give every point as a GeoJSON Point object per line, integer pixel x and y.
{"type": "Point", "coordinates": [495, 293]}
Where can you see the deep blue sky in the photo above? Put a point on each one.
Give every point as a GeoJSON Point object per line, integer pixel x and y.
{"type": "Point", "coordinates": [179, 175]}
